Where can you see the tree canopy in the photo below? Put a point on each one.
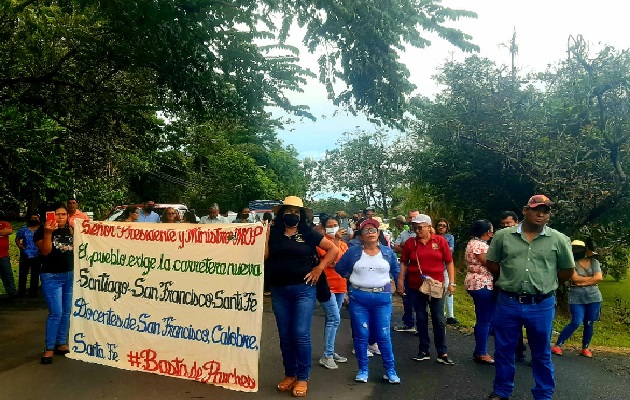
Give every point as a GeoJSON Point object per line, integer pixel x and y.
{"type": "Point", "coordinates": [95, 91]}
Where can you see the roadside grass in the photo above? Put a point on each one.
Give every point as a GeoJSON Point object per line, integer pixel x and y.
{"type": "Point", "coordinates": [610, 334]}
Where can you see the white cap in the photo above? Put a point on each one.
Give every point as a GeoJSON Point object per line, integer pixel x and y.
{"type": "Point", "coordinates": [421, 219]}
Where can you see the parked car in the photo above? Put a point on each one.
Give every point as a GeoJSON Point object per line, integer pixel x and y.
{"type": "Point", "coordinates": [260, 207]}
{"type": "Point", "coordinates": [116, 213]}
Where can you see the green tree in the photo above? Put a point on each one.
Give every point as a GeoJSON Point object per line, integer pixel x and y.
{"type": "Point", "coordinates": [366, 165]}
{"type": "Point", "coordinates": [92, 76]}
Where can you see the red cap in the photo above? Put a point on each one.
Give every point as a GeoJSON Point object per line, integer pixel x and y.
{"type": "Point", "coordinates": [369, 221]}
{"type": "Point", "coordinates": [539, 200]}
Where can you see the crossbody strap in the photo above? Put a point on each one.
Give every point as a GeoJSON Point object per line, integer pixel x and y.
{"type": "Point", "coordinates": [415, 243]}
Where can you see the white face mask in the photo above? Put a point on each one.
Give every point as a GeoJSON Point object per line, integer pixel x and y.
{"type": "Point", "coordinates": [332, 231]}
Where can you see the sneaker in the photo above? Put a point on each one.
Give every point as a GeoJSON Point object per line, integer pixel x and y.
{"type": "Point", "coordinates": [369, 354]}
{"type": "Point", "coordinates": [373, 348]}
{"type": "Point", "coordinates": [586, 353]}
{"type": "Point", "coordinates": [339, 359]}
{"type": "Point", "coordinates": [443, 359]}
{"type": "Point", "coordinates": [421, 356]}
{"type": "Point", "coordinates": [557, 350]}
{"type": "Point", "coordinates": [404, 328]}
{"type": "Point", "coordinates": [391, 377]}
{"type": "Point", "coordinates": [362, 376]}
{"type": "Point", "coordinates": [452, 321]}
{"type": "Point", "coordinates": [328, 363]}
{"type": "Point", "coordinates": [494, 396]}
{"type": "Point", "coordinates": [519, 357]}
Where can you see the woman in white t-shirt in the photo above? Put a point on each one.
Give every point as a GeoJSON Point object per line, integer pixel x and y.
{"type": "Point", "coordinates": [369, 269]}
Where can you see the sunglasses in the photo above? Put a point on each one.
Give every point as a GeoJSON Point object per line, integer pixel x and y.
{"type": "Point", "coordinates": [441, 225]}
{"type": "Point", "coordinates": [370, 230]}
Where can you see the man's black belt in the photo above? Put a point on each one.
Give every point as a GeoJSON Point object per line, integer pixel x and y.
{"type": "Point", "coordinates": [525, 298]}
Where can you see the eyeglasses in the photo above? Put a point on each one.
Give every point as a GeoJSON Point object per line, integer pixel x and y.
{"type": "Point", "coordinates": [171, 213]}
{"type": "Point", "coordinates": [370, 230]}
{"type": "Point", "coordinates": [419, 227]}
{"type": "Point", "coordinates": [441, 225]}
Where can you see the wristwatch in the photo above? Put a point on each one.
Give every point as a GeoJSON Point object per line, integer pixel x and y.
{"type": "Point", "coordinates": [452, 284]}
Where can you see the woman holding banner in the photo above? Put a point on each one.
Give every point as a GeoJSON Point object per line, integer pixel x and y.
{"type": "Point", "coordinates": [170, 216]}
{"type": "Point", "coordinates": [54, 240]}
{"type": "Point", "coordinates": [290, 253]}
{"type": "Point", "coordinates": [130, 214]}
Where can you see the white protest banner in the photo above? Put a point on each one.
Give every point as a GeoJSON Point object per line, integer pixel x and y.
{"type": "Point", "coordinates": [181, 300]}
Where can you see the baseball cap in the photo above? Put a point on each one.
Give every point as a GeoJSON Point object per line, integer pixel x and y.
{"type": "Point", "coordinates": [421, 219]}
{"type": "Point", "coordinates": [539, 200]}
{"type": "Point", "coordinates": [401, 218]}
{"type": "Point", "coordinates": [369, 221]}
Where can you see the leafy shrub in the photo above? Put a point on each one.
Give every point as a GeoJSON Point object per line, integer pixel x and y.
{"type": "Point", "coordinates": [621, 311]}
{"type": "Point", "coordinates": [616, 263]}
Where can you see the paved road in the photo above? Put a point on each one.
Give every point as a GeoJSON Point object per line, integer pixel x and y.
{"type": "Point", "coordinates": [22, 377]}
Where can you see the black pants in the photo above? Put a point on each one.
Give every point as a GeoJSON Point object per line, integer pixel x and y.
{"type": "Point", "coordinates": [32, 265]}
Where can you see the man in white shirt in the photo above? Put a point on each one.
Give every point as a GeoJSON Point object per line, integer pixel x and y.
{"type": "Point", "coordinates": [214, 216]}
{"type": "Point", "coordinates": [409, 324]}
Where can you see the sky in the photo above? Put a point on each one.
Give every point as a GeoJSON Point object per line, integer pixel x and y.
{"type": "Point", "coordinates": [542, 31]}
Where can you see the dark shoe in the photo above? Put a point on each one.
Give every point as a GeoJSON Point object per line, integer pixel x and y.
{"type": "Point", "coordinates": [422, 356]}
{"type": "Point", "coordinates": [47, 359]}
{"type": "Point", "coordinates": [494, 396]}
{"type": "Point", "coordinates": [404, 328]}
{"type": "Point", "coordinates": [520, 357]}
{"type": "Point", "coordinates": [61, 352]}
{"type": "Point", "coordinates": [443, 359]}
{"type": "Point", "coordinates": [452, 321]}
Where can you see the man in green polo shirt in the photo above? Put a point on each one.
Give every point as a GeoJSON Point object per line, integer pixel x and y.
{"type": "Point", "coordinates": [530, 260]}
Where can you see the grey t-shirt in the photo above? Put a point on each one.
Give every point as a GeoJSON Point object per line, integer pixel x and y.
{"type": "Point", "coordinates": [586, 294]}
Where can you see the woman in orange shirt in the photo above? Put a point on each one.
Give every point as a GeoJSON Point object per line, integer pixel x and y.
{"type": "Point", "coordinates": [338, 291]}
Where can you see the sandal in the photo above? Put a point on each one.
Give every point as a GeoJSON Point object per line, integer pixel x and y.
{"type": "Point", "coordinates": [484, 359]}
{"type": "Point", "coordinates": [300, 388]}
{"type": "Point", "coordinates": [287, 383]}
{"type": "Point", "coordinates": [61, 349]}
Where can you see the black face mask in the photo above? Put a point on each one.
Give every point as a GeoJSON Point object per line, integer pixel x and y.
{"type": "Point", "coordinates": [32, 222]}
{"type": "Point", "coordinates": [580, 255]}
{"type": "Point", "coordinates": [149, 209]}
{"type": "Point", "coordinates": [291, 220]}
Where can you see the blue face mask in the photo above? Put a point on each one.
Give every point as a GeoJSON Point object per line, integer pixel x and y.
{"type": "Point", "coordinates": [291, 220]}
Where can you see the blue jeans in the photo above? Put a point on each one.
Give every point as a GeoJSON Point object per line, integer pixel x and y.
{"type": "Point", "coordinates": [436, 306]}
{"type": "Point", "coordinates": [332, 308]}
{"type": "Point", "coordinates": [57, 289]}
{"type": "Point", "coordinates": [585, 314]}
{"type": "Point", "coordinates": [370, 316]}
{"type": "Point", "coordinates": [484, 314]}
{"type": "Point", "coordinates": [293, 307]}
{"type": "Point", "coordinates": [407, 317]}
{"type": "Point", "coordinates": [509, 318]}
{"type": "Point", "coordinates": [450, 313]}
{"type": "Point", "coordinates": [6, 274]}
